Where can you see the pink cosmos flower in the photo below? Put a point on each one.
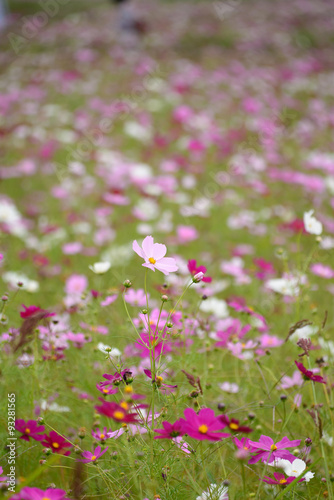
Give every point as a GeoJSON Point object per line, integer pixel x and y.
{"type": "Point", "coordinates": [57, 443]}
{"type": "Point", "coordinates": [28, 493]}
{"type": "Point", "coordinates": [31, 310]}
{"type": "Point", "coordinates": [295, 380]}
{"type": "Point", "coordinates": [154, 256]}
{"type": "Point", "coordinates": [30, 429]}
{"type": "Point", "coordinates": [171, 431]}
{"type": "Point", "coordinates": [116, 412]}
{"type": "Point", "coordinates": [244, 444]}
{"type": "Point", "coordinates": [76, 284]}
{"type": "Point", "coordinates": [322, 271]}
{"type": "Point", "coordinates": [109, 300]}
{"type": "Point", "coordinates": [194, 269]}
{"type": "Point", "coordinates": [186, 234]}
{"type": "Point", "coordinates": [267, 341]}
{"type": "Point", "coordinates": [92, 456]}
{"type": "Point", "coordinates": [309, 375]}
{"type": "Point", "coordinates": [101, 435]}
{"type": "Point", "coordinates": [280, 479]}
{"type": "Point", "coordinates": [204, 425]}
{"type": "Point", "coordinates": [268, 451]}
{"type": "Point", "coordinates": [135, 297]}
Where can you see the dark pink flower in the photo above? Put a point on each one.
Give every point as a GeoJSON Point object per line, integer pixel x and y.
{"type": "Point", "coordinates": [280, 479]}
{"type": "Point", "coordinates": [233, 424]}
{"type": "Point", "coordinates": [195, 269]}
{"type": "Point", "coordinates": [116, 412]}
{"type": "Point", "coordinates": [171, 431]}
{"type": "Point", "coordinates": [92, 456]}
{"type": "Point", "coordinates": [308, 375]}
{"type": "Point", "coordinates": [28, 493]}
{"type": "Point", "coordinates": [31, 310]}
{"type": "Point", "coordinates": [30, 429]}
{"type": "Point", "coordinates": [268, 451]}
{"type": "Point", "coordinates": [57, 443]}
{"type": "Point", "coordinates": [203, 425]}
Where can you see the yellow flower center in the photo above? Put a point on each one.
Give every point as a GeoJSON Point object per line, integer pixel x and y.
{"type": "Point", "coordinates": [128, 389]}
{"type": "Point", "coordinates": [234, 426]}
{"type": "Point", "coordinates": [282, 481]}
{"type": "Point", "coordinates": [102, 436]}
{"type": "Point", "coordinates": [27, 431]}
{"type": "Point", "coordinates": [151, 260]}
{"type": "Point", "coordinates": [273, 447]}
{"type": "Point", "coordinates": [124, 405]}
{"type": "Point", "coordinates": [203, 429]}
{"type": "Point", "coordinates": [246, 447]}
{"type": "Point", "coordinates": [119, 415]}
{"type": "Point", "coordinates": [105, 391]}
{"type": "Point", "coordinates": [55, 445]}
{"type": "Point", "coordinates": [159, 379]}
{"type": "Point", "coordinates": [45, 498]}
{"type": "Point", "coordinates": [93, 457]}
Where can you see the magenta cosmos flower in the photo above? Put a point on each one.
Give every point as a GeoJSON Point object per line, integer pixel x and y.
{"type": "Point", "coordinates": [233, 424]}
{"type": "Point", "coordinates": [308, 375]}
{"type": "Point", "coordinates": [116, 412]}
{"type": "Point", "coordinates": [280, 479]}
{"type": "Point", "coordinates": [154, 256]}
{"type": "Point", "coordinates": [92, 456]}
{"type": "Point", "coordinates": [194, 269]}
{"type": "Point", "coordinates": [57, 443]}
{"type": "Point", "coordinates": [171, 431]}
{"type": "Point", "coordinates": [267, 450]}
{"type": "Point", "coordinates": [204, 425]}
{"type": "Point", "coordinates": [28, 493]}
{"type": "Point", "coordinates": [31, 310]}
{"type": "Point", "coordinates": [30, 429]}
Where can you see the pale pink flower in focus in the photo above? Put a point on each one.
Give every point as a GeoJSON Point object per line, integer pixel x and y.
{"type": "Point", "coordinates": [154, 256]}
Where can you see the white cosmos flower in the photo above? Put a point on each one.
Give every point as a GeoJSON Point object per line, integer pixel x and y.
{"type": "Point", "coordinates": [214, 492]}
{"type": "Point", "coordinates": [285, 286]}
{"type": "Point", "coordinates": [100, 267]}
{"type": "Point", "coordinates": [295, 468]}
{"type": "Point", "coordinates": [215, 306]}
{"type": "Point", "coordinates": [14, 278]}
{"type": "Point", "coordinates": [312, 225]}
{"type": "Point", "coordinates": [113, 352]}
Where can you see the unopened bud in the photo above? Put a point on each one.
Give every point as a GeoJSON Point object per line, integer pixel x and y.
{"type": "Point", "coordinates": [198, 277]}
{"type": "Point", "coordinates": [164, 298]}
{"type": "Point", "coordinates": [127, 283]}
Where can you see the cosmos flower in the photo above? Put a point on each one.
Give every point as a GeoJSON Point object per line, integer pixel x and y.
{"type": "Point", "coordinates": [279, 479]}
{"type": "Point", "coordinates": [31, 310]}
{"type": "Point", "coordinates": [57, 443]}
{"type": "Point", "coordinates": [154, 256]}
{"type": "Point", "coordinates": [308, 375]}
{"type": "Point", "coordinates": [194, 269]}
{"type": "Point", "coordinates": [28, 493]}
{"type": "Point", "coordinates": [268, 451]}
{"type": "Point", "coordinates": [295, 468]}
{"type": "Point", "coordinates": [116, 412]}
{"type": "Point", "coordinates": [312, 225]}
{"type": "Point", "coordinates": [204, 425]}
{"type": "Point", "coordinates": [90, 457]}
{"type": "Point", "coordinates": [30, 429]}
{"type": "Point", "coordinates": [233, 424]}
{"type": "Point", "coordinates": [170, 431]}
{"type": "Point", "coordinates": [100, 267]}
{"type": "Point", "coordinates": [214, 492]}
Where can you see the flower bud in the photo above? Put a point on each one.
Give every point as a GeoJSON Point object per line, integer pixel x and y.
{"type": "Point", "coordinates": [198, 277]}
{"type": "Point", "coordinates": [127, 283]}
{"type": "Point", "coordinates": [82, 432]}
{"type": "Point", "coordinates": [144, 311]}
{"type": "Point", "coordinates": [221, 406]}
{"type": "Point", "coordinates": [164, 298]}
{"type": "Point", "coordinates": [169, 324]}
{"type": "Point", "coordinates": [308, 441]}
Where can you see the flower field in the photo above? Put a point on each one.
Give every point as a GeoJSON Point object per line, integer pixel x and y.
{"type": "Point", "coordinates": [166, 260]}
